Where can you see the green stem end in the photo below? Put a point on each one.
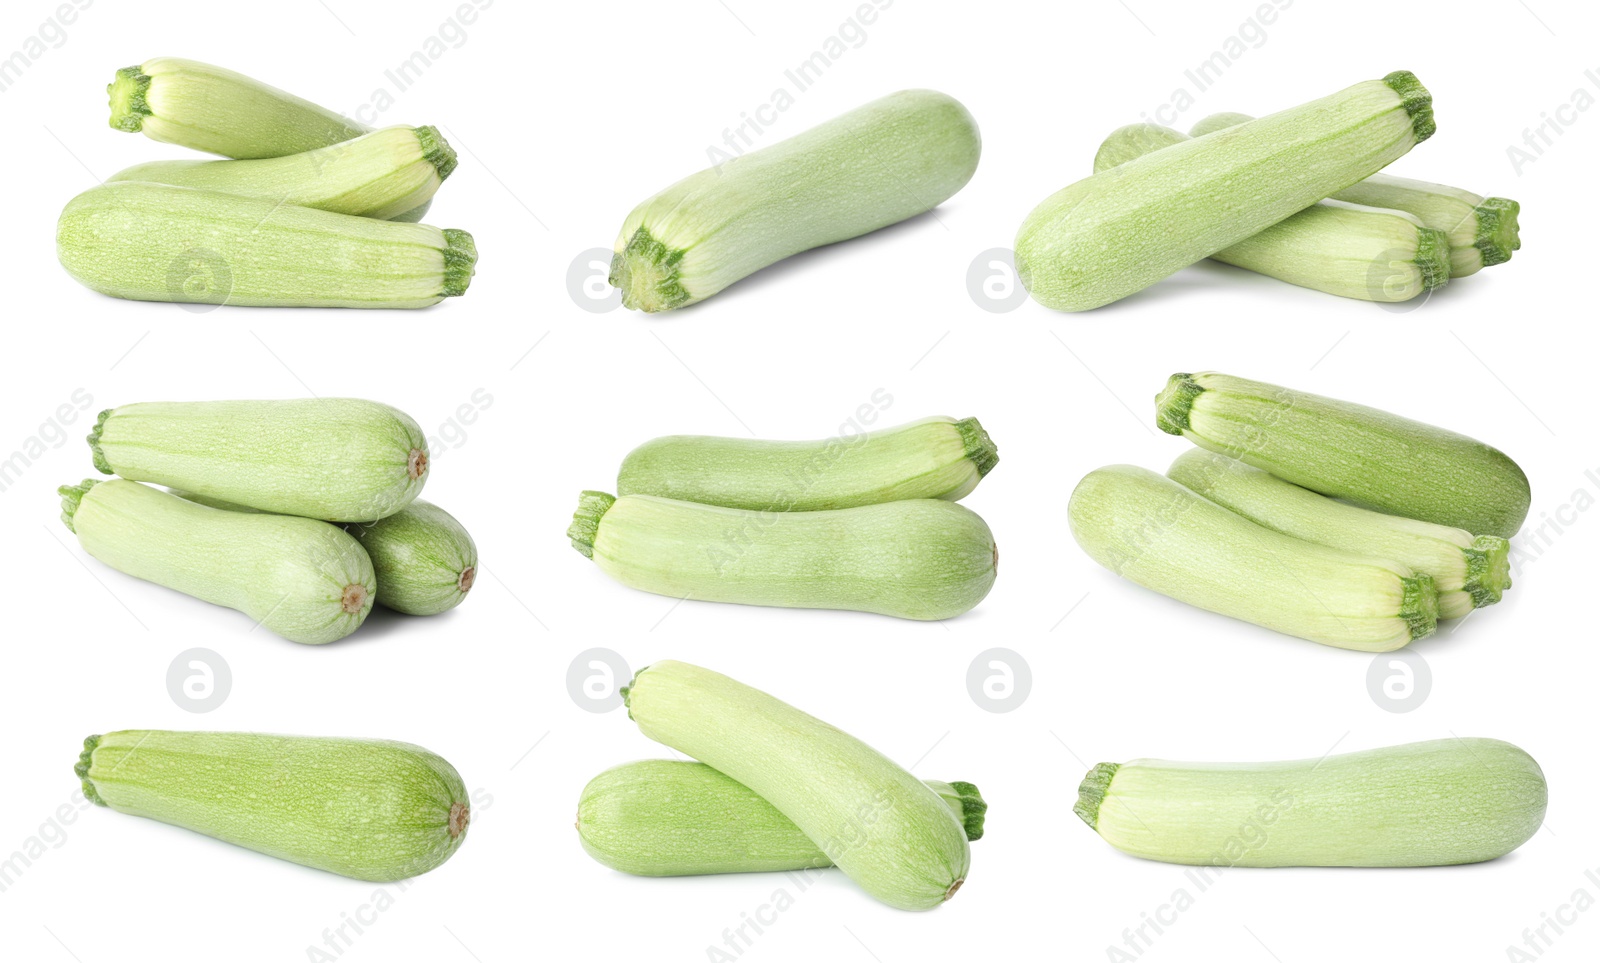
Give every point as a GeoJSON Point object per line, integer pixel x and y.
{"type": "Point", "coordinates": [130, 103]}
{"type": "Point", "coordinates": [1174, 403]}
{"type": "Point", "coordinates": [1488, 569]}
{"type": "Point", "coordinates": [1433, 258]}
{"type": "Point", "coordinates": [1419, 605]}
{"type": "Point", "coordinates": [979, 446]}
{"type": "Point", "coordinates": [1498, 231]}
{"type": "Point", "coordinates": [592, 506]}
{"type": "Point", "coordinates": [71, 498]}
{"type": "Point", "coordinates": [973, 809]}
{"type": "Point", "coordinates": [437, 151]}
{"type": "Point", "coordinates": [1092, 792]}
{"type": "Point", "coordinates": [460, 262]}
{"type": "Point", "coordinates": [94, 444]}
{"type": "Point", "coordinates": [1417, 101]}
{"type": "Point", "coordinates": [646, 272]}
{"type": "Point", "coordinates": [85, 758]}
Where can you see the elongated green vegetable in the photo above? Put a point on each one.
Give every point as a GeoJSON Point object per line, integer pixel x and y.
{"type": "Point", "coordinates": [1483, 231]}
{"type": "Point", "coordinates": [424, 558]}
{"type": "Point", "coordinates": [1127, 227]}
{"type": "Point", "coordinates": [663, 817]}
{"type": "Point", "coordinates": [155, 242]}
{"type": "Point", "coordinates": [365, 808]}
{"type": "Point", "coordinates": [382, 174]}
{"type": "Point", "coordinates": [885, 829]}
{"type": "Point", "coordinates": [1153, 531]}
{"type": "Point", "coordinates": [932, 458]}
{"type": "Point", "coordinates": [1333, 247]}
{"type": "Point", "coordinates": [879, 164]}
{"type": "Point", "coordinates": [305, 580]}
{"type": "Point", "coordinates": [1344, 450]}
{"type": "Point", "coordinates": [337, 459]}
{"type": "Point", "coordinates": [1436, 803]}
{"type": "Point", "coordinates": [1469, 572]}
{"type": "Point", "coordinates": [920, 559]}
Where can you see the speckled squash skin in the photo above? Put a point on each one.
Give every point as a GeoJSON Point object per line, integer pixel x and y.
{"type": "Point", "coordinates": [364, 808]}
{"type": "Point", "coordinates": [424, 558]}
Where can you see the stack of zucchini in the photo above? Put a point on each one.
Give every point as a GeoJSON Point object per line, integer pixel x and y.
{"type": "Point", "coordinates": [312, 211]}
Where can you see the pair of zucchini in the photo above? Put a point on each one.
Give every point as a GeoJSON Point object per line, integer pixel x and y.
{"type": "Point", "coordinates": [313, 211]}
{"type": "Point", "coordinates": [1251, 527]}
{"type": "Point", "coordinates": [866, 522]}
{"type": "Point", "coordinates": [260, 483]}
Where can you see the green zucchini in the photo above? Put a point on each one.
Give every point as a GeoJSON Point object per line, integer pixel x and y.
{"type": "Point", "coordinates": [920, 559]}
{"type": "Point", "coordinates": [1344, 450]}
{"type": "Point", "coordinates": [1483, 231]}
{"type": "Point", "coordinates": [1437, 803]}
{"type": "Point", "coordinates": [382, 174]}
{"type": "Point", "coordinates": [424, 558]}
{"type": "Point", "coordinates": [883, 827]}
{"type": "Point", "coordinates": [668, 817]}
{"type": "Point", "coordinates": [1153, 531]}
{"type": "Point", "coordinates": [336, 459]}
{"type": "Point", "coordinates": [1469, 572]}
{"type": "Point", "coordinates": [932, 458]}
{"type": "Point", "coordinates": [364, 808]}
{"type": "Point", "coordinates": [155, 242]}
{"type": "Point", "coordinates": [892, 159]}
{"type": "Point", "coordinates": [1125, 228]}
{"type": "Point", "coordinates": [1333, 247]}
{"type": "Point", "coordinates": [305, 580]}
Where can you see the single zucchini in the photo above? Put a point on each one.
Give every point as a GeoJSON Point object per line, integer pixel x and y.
{"type": "Point", "coordinates": [336, 459]}
{"type": "Point", "coordinates": [1344, 450]}
{"type": "Point", "coordinates": [1333, 247]}
{"type": "Point", "coordinates": [667, 817]}
{"type": "Point", "coordinates": [155, 242]}
{"type": "Point", "coordinates": [1435, 803]}
{"type": "Point", "coordinates": [920, 559]}
{"type": "Point", "coordinates": [1125, 228]}
{"type": "Point", "coordinates": [879, 164]}
{"type": "Point", "coordinates": [1469, 572]}
{"type": "Point", "coordinates": [424, 558]}
{"type": "Point", "coordinates": [364, 808]}
{"type": "Point", "coordinates": [1153, 531]}
{"type": "Point", "coordinates": [932, 458]}
{"type": "Point", "coordinates": [382, 174]}
{"type": "Point", "coordinates": [1483, 231]}
{"type": "Point", "coordinates": [884, 828]}
{"type": "Point", "coordinates": [305, 580]}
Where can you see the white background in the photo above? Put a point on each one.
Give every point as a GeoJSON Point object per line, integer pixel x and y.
{"type": "Point", "coordinates": [565, 116]}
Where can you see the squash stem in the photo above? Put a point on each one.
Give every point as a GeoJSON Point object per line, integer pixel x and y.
{"type": "Point", "coordinates": [460, 815]}
{"type": "Point", "coordinates": [592, 506]}
{"type": "Point", "coordinates": [1488, 569]}
{"type": "Point", "coordinates": [460, 262]}
{"type": "Point", "coordinates": [130, 103]}
{"type": "Point", "coordinates": [980, 448]}
{"type": "Point", "coordinates": [1174, 403]}
{"type": "Point", "coordinates": [437, 151]}
{"type": "Point", "coordinates": [94, 444]}
{"type": "Point", "coordinates": [1092, 792]}
{"type": "Point", "coordinates": [1433, 257]}
{"type": "Point", "coordinates": [1498, 231]}
{"type": "Point", "coordinates": [973, 808]}
{"type": "Point", "coordinates": [85, 759]}
{"type": "Point", "coordinates": [646, 272]}
{"type": "Point", "coordinates": [1417, 101]}
{"type": "Point", "coordinates": [1419, 605]}
{"type": "Point", "coordinates": [71, 498]}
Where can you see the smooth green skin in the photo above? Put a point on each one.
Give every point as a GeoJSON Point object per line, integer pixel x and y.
{"type": "Point", "coordinates": [932, 458]}
{"type": "Point", "coordinates": [364, 808]}
{"type": "Point", "coordinates": [1332, 247]}
{"type": "Point", "coordinates": [1437, 803]}
{"type": "Point", "coordinates": [1125, 228]}
{"type": "Point", "coordinates": [302, 579]}
{"type": "Point", "coordinates": [877, 822]}
{"type": "Point", "coordinates": [1153, 531]}
{"type": "Point", "coordinates": [1469, 572]}
{"type": "Point", "coordinates": [425, 560]}
{"type": "Point", "coordinates": [665, 817]}
{"type": "Point", "coordinates": [1372, 458]}
{"type": "Point", "coordinates": [892, 159]}
{"type": "Point", "coordinates": [334, 459]}
{"type": "Point", "coordinates": [156, 242]}
{"type": "Point", "coordinates": [922, 559]}
{"type": "Point", "coordinates": [1482, 231]}
{"type": "Point", "coordinates": [383, 174]}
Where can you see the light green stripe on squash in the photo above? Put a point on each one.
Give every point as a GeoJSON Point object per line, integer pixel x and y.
{"type": "Point", "coordinates": [665, 817]}
{"type": "Point", "coordinates": [932, 458]}
{"type": "Point", "coordinates": [1153, 531]}
{"type": "Point", "coordinates": [364, 808]}
{"type": "Point", "coordinates": [920, 559]}
{"type": "Point", "coordinates": [892, 159]}
{"type": "Point", "coordinates": [1125, 228]}
{"type": "Point", "coordinates": [883, 827]}
{"type": "Point", "coordinates": [1468, 571]}
{"type": "Point", "coordinates": [1437, 803]}
{"type": "Point", "coordinates": [1344, 450]}
{"type": "Point", "coordinates": [302, 579]}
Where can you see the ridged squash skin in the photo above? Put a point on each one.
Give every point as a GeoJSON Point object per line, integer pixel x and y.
{"type": "Point", "coordinates": [364, 808]}
{"type": "Point", "coordinates": [305, 580]}
{"type": "Point", "coordinates": [882, 826]}
{"type": "Point", "coordinates": [932, 458]}
{"type": "Point", "coordinates": [424, 558]}
{"type": "Point", "coordinates": [894, 158]}
{"type": "Point", "coordinates": [670, 817]}
{"type": "Point", "coordinates": [336, 459]}
{"type": "Point", "coordinates": [1343, 450]}
{"type": "Point", "coordinates": [1437, 803]}
{"type": "Point", "coordinates": [1125, 228]}
{"type": "Point", "coordinates": [922, 559]}
{"type": "Point", "coordinates": [1151, 530]}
